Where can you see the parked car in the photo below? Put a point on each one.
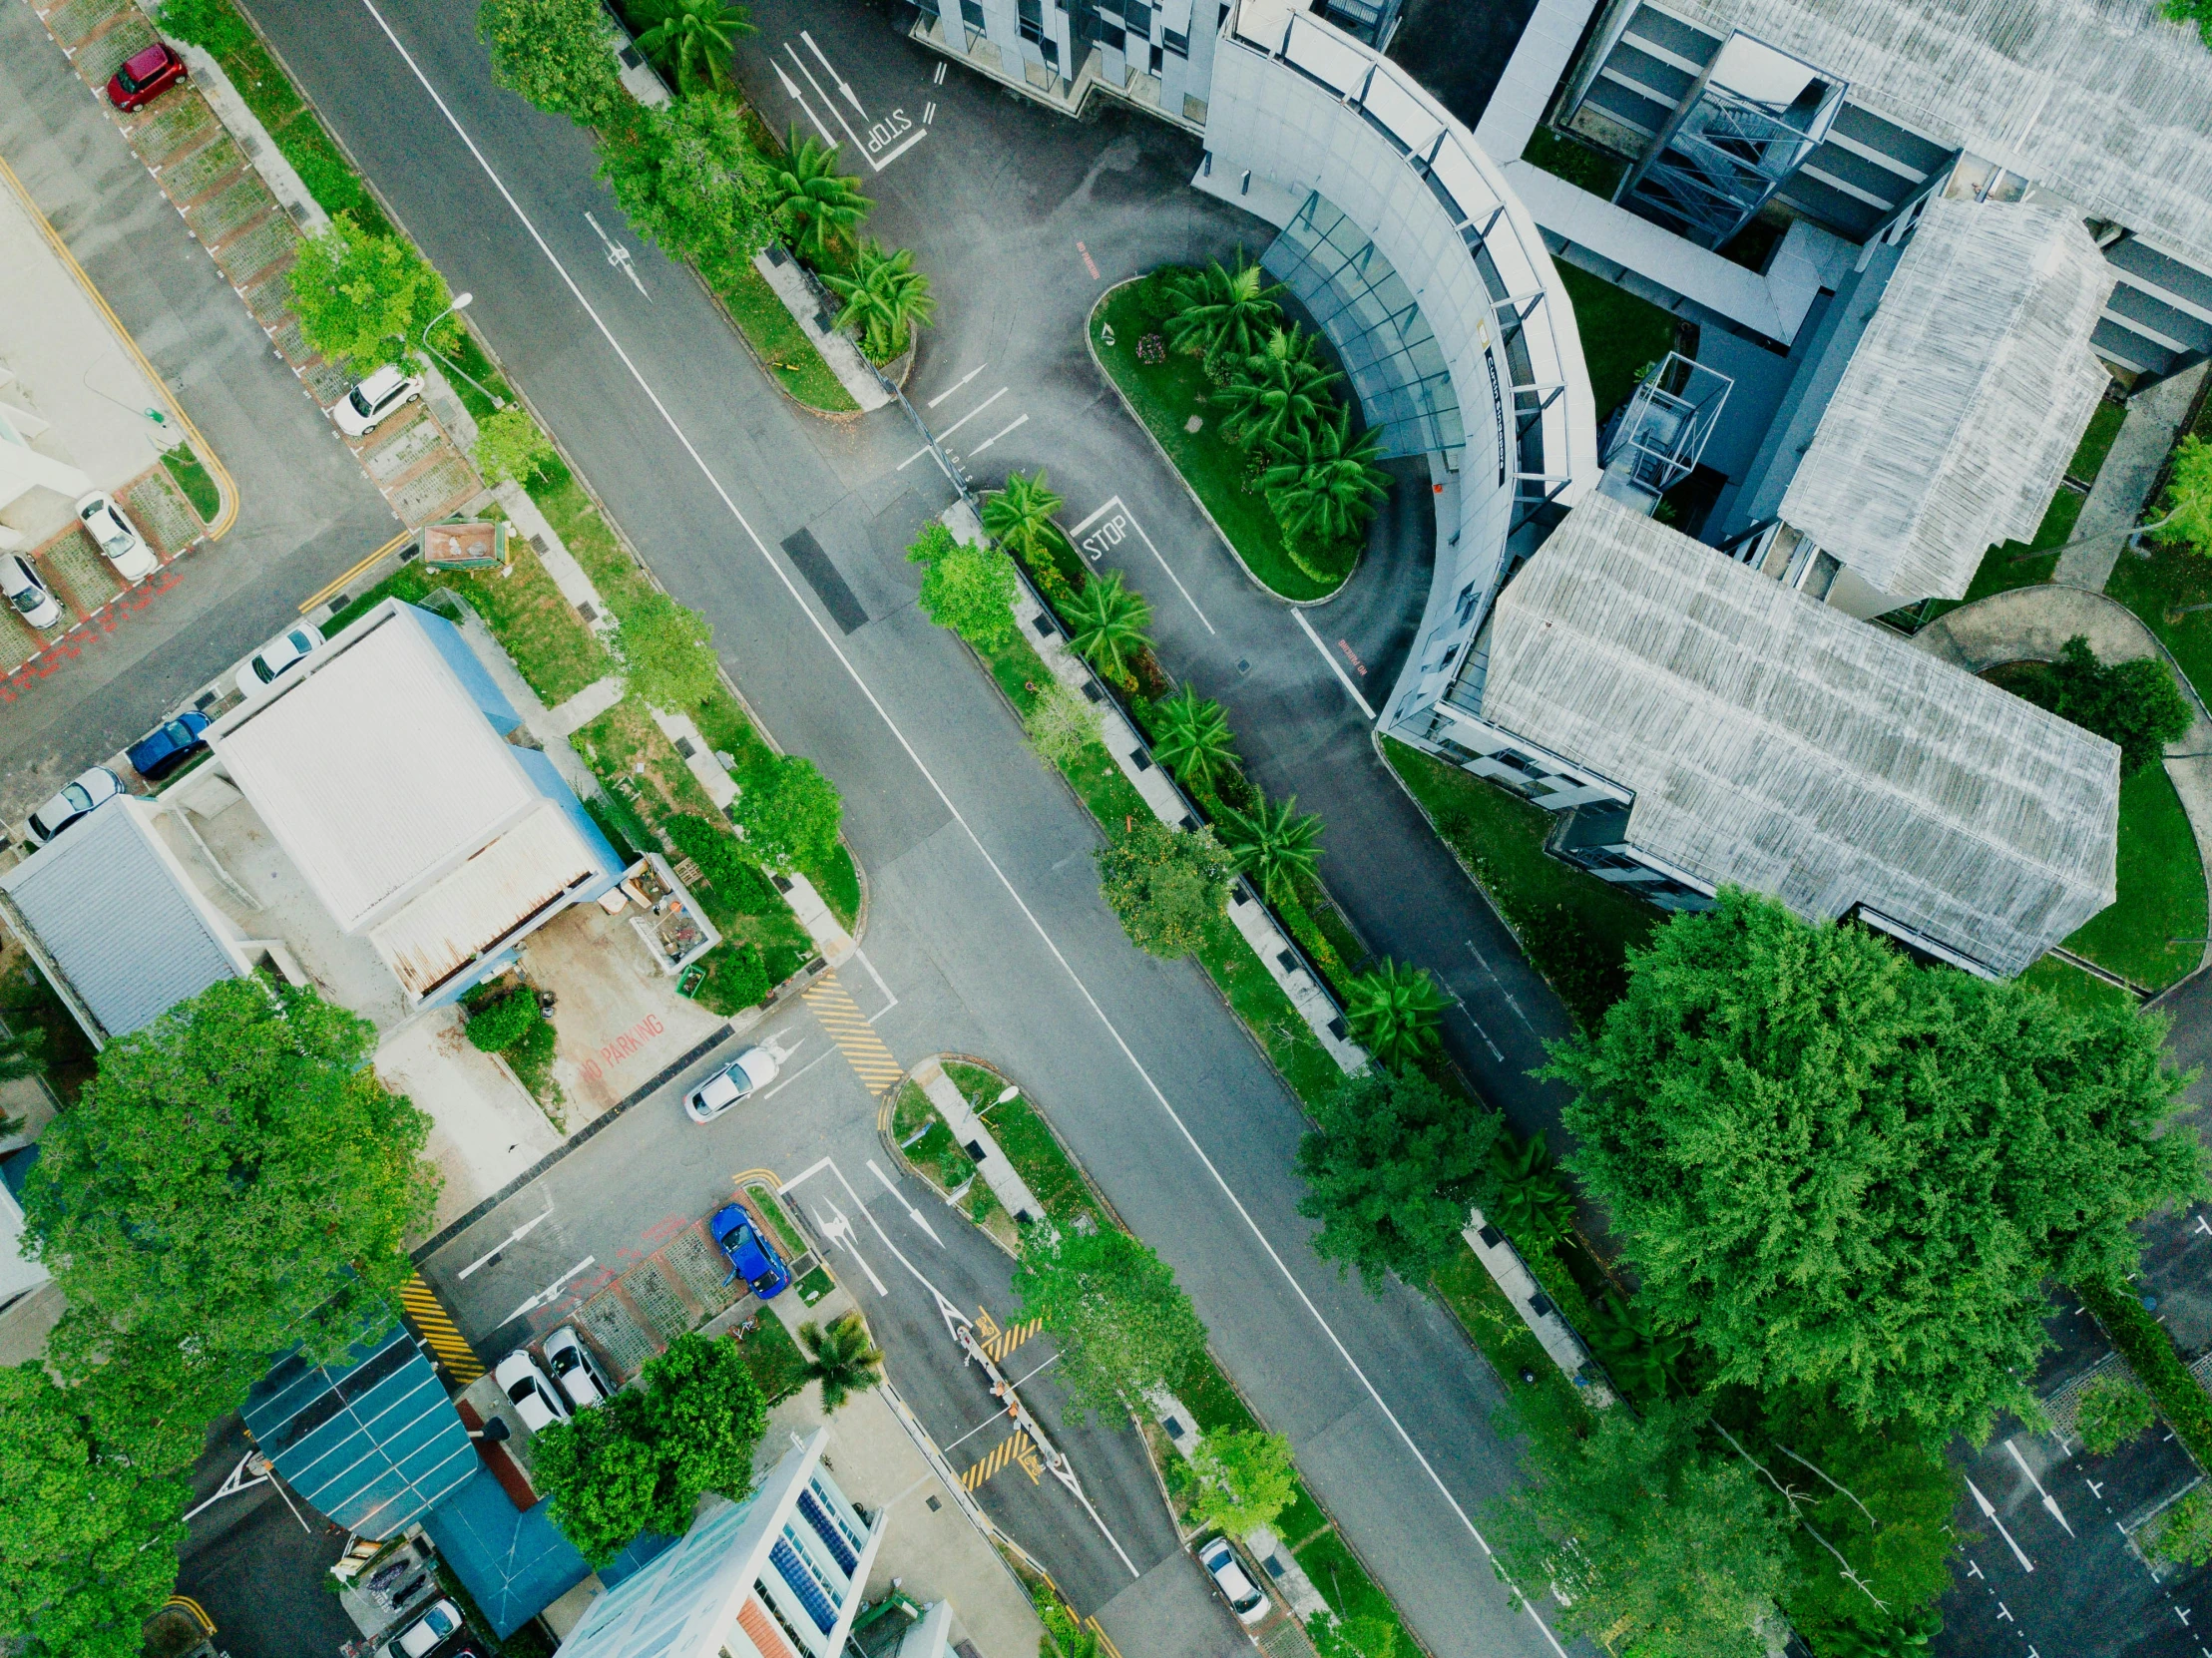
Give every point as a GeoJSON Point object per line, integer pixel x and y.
{"type": "Point", "coordinates": [145, 76]}
{"type": "Point", "coordinates": [751, 1257]}
{"type": "Point", "coordinates": [537, 1401]}
{"type": "Point", "coordinates": [1246, 1599]}
{"type": "Point", "coordinates": [576, 1370]}
{"type": "Point", "coordinates": [279, 656]}
{"type": "Point", "coordinates": [423, 1635]}
{"type": "Point", "coordinates": [361, 410]}
{"type": "Point", "coordinates": [29, 593]}
{"type": "Point", "coordinates": [166, 747]}
{"type": "Point", "coordinates": [117, 537]}
{"type": "Point", "coordinates": [751, 1072]}
{"type": "Point", "coordinates": [93, 789]}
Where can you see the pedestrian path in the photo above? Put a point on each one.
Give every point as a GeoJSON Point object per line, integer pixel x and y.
{"type": "Point", "coordinates": [2124, 482]}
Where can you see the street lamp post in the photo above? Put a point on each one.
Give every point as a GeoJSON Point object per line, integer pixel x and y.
{"type": "Point", "coordinates": [461, 302]}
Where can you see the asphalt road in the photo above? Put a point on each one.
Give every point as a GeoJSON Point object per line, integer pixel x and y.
{"type": "Point", "coordinates": [306, 510]}
{"type": "Point", "coordinates": [976, 856]}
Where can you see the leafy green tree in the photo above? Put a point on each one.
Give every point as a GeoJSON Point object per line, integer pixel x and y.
{"type": "Point", "coordinates": [89, 1537]}
{"type": "Point", "coordinates": [842, 1358]}
{"type": "Point", "coordinates": [813, 203]}
{"type": "Point", "coordinates": [2186, 505]}
{"type": "Point", "coordinates": [1109, 623]}
{"type": "Point", "coordinates": [1068, 1638]}
{"type": "Point", "coordinates": [1280, 394]}
{"type": "Point", "coordinates": [1120, 1321]}
{"type": "Point", "coordinates": [2135, 704]}
{"type": "Point", "coordinates": [695, 39]}
{"type": "Point", "coordinates": [966, 586]}
{"type": "Point", "coordinates": [1393, 1011]}
{"type": "Point", "coordinates": [687, 177]}
{"type": "Point", "coordinates": [1274, 841]}
{"type": "Point", "coordinates": [668, 652]}
{"type": "Point", "coordinates": [1390, 1167]}
{"type": "Point", "coordinates": [2198, 12]}
{"type": "Point", "coordinates": [602, 1473]}
{"type": "Point", "coordinates": [1061, 724]}
{"type": "Point", "coordinates": [790, 815]}
{"type": "Point", "coordinates": [509, 445]}
{"type": "Point", "coordinates": [1224, 313]}
{"type": "Point", "coordinates": [2111, 1410]}
{"type": "Point", "coordinates": [1328, 485]}
{"type": "Point", "coordinates": [555, 54]}
{"type": "Point", "coordinates": [363, 301]}
{"type": "Point", "coordinates": [1849, 1170]}
{"type": "Point", "coordinates": [1167, 886]}
{"type": "Point", "coordinates": [1194, 740]}
{"type": "Point", "coordinates": [1661, 1542]}
{"type": "Point", "coordinates": [1523, 1193]}
{"type": "Point", "coordinates": [1021, 514]}
{"type": "Point", "coordinates": [1246, 1479]}
{"type": "Point", "coordinates": [1639, 1356]}
{"type": "Point", "coordinates": [244, 1113]}
{"type": "Point", "coordinates": [885, 297]}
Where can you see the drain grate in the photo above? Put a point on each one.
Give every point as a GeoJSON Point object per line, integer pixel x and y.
{"type": "Point", "coordinates": [611, 1324]}
{"type": "Point", "coordinates": [648, 1287]}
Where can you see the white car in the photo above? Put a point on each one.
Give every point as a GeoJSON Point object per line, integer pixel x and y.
{"type": "Point", "coordinates": [361, 410]}
{"type": "Point", "coordinates": [21, 586]}
{"type": "Point", "coordinates": [1248, 1602]}
{"type": "Point", "coordinates": [94, 788]}
{"type": "Point", "coordinates": [575, 1369]}
{"type": "Point", "coordinates": [276, 659]}
{"type": "Point", "coordinates": [535, 1400]}
{"type": "Point", "coordinates": [423, 1635]}
{"type": "Point", "coordinates": [115, 536]}
{"type": "Point", "coordinates": [745, 1076]}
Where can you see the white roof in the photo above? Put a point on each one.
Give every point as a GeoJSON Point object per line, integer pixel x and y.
{"type": "Point", "coordinates": [534, 864]}
{"type": "Point", "coordinates": [377, 772]}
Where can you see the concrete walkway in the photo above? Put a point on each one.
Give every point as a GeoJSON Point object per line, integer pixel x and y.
{"type": "Point", "coordinates": [2123, 483]}
{"type": "Point", "coordinates": [2033, 625]}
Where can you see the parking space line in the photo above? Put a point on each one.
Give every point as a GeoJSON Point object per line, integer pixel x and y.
{"type": "Point", "coordinates": [323, 593]}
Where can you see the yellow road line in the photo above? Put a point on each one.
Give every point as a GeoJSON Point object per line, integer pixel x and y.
{"type": "Point", "coordinates": [869, 1056]}
{"type": "Point", "coordinates": [997, 1347]}
{"type": "Point", "coordinates": [322, 592]}
{"type": "Point", "coordinates": [207, 1624]}
{"type": "Point", "coordinates": [1105, 1640]}
{"type": "Point", "coordinates": [991, 1462]}
{"type": "Point", "coordinates": [227, 487]}
{"type": "Point", "coordinates": [439, 1331]}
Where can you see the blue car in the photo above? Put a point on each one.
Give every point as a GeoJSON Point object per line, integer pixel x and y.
{"type": "Point", "coordinates": [751, 1257]}
{"type": "Point", "coordinates": [159, 752]}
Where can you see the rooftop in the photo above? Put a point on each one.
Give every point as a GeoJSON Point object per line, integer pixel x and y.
{"type": "Point", "coordinates": [1774, 743]}
{"type": "Point", "coordinates": [1954, 420]}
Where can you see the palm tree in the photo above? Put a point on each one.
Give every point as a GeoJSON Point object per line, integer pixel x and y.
{"type": "Point", "coordinates": [1330, 486]}
{"type": "Point", "coordinates": [1526, 1194]}
{"type": "Point", "coordinates": [1274, 841]}
{"type": "Point", "coordinates": [1225, 313]}
{"type": "Point", "coordinates": [1193, 736]}
{"type": "Point", "coordinates": [1281, 395]}
{"type": "Point", "coordinates": [1636, 1353]}
{"type": "Point", "coordinates": [813, 199]}
{"type": "Point", "coordinates": [885, 296]}
{"type": "Point", "coordinates": [1108, 622]}
{"type": "Point", "coordinates": [1021, 514]}
{"type": "Point", "coordinates": [1393, 1011]}
{"type": "Point", "coordinates": [842, 1359]}
{"type": "Point", "coordinates": [690, 35]}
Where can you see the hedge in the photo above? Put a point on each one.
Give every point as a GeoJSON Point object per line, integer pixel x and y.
{"type": "Point", "coordinates": [2149, 1351]}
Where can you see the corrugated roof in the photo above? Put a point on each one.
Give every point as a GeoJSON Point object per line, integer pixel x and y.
{"type": "Point", "coordinates": [531, 866]}
{"type": "Point", "coordinates": [121, 919]}
{"type": "Point", "coordinates": [2102, 101]}
{"type": "Point", "coordinates": [1954, 422]}
{"type": "Point", "coordinates": [1774, 743]}
{"type": "Point", "coordinates": [375, 773]}
{"type": "Point", "coordinates": [514, 1565]}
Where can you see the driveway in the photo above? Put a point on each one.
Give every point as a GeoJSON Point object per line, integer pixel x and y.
{"type": "Point", "coordinates": [306, 511]}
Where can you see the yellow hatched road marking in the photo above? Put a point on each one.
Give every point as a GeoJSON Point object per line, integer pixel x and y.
{"type": "Point", "coordinates": [438, 1330]}
{"type": "Point", "coordinates": [998, 1346]}
{"type": "Point", "coordinates": [869, 1056]}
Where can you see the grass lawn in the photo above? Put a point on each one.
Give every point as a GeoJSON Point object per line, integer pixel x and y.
{"type": "Point", "coordinates": [1621, 335]}
{"type": "Point", "coordinates": [2097, 442]}
{"type": "Point", "coordinates": [1576, 929]}
{"type": "Point", "coordinates": [2073, 987]}
{"type": "Point", "coordinates": [771, 1208]}
{"type": "Point", "coordinates": [773, 1358]}
{"type": "Point", "coordinates": [1345, 1585]}
{"type": "Point", "coordinates": [2161, 889]}
{"type": "Point", "coordinates": [1502, 1336]}
{"type": "Point", "coordinates": [1578, 163]}
{"type": "Point", "coordinates": [1167, 396]}
{"type": "Point", "coordinates": [777, 338]}
{"type": "Point", "coordinates": [2159, 589]}
{"type": "Point", "coordinates": [192, 478]}
{"type": "Point", "coordinates": [2006, 567]}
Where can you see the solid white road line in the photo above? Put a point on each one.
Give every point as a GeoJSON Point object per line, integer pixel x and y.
{"type": "Point", "coordinates": [912, 1214]}
{"type": "Point", "coordinates": [830, 103]}
{"type": "Point", "coordinates": [1336, 667]}
{"type": "Point", "coordinates": [829, 644]}
{"type": "Point", "coordinates": [956, 385]}
{"type": "Point", "coordinates": [792, 87]}
{"type": "Point", "coordinates": [1113, 501]}
{"type": "Point", "coordinates": [889, 1001]}
{"type": "Point", "coordinates": [972, 413]}
{"type": "Point", "coordinates": [793, 1078]}
{"type": "Point", "coordinates": [1018, 420]}
{"type": "Point", "coordinates": [520, 1232]}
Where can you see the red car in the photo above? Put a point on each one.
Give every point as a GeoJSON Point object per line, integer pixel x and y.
{"type": "Point", "coordinates": [145, 76]}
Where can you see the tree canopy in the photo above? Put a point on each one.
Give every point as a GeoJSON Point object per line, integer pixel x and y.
{"type": "Point", "coordinates": [1121, 1322]}
{"type": "Point", "coordinates": [965, 586]}
{"type": "Point", "coordinates": [790, 815]}
{"type": "Point", "coordinates": [555, 54]}
{"type": "Point", "coordinates": [234, 1175]}
{"type": "Point", "coordinates": [688, 176]}
{"type": "Point", "coordinates": [668, 652]}
{"type": "Point", "coordinates": [2135, 704]}
{"type": "Point", "coordinates": [1845, 1169]}
{"type": "Point", "coordinates": [362, 299]}
{"type": "Point", "coordinates": [1167, 885]}
{"type": "Point", "coordinates": [1244, 1479]}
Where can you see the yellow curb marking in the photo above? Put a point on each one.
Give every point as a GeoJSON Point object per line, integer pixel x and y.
{"type": "Point", "coordinates": [438, 1329]}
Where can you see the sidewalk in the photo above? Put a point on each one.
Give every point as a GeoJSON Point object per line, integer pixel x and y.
{"type": "Point", "coordinates": [2123, 483]}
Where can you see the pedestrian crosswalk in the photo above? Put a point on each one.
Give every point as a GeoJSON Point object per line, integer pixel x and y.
{"type": "Point", "coordinates": [436, 1327]}
{"type": "Point", "coordinates": [867, 1054]}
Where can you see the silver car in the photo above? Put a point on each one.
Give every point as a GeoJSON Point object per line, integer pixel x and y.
{"type": "Point", "coordinates": [536, 1400]}
{"type": "Point", "coordinates": [574, 1369]}
{"type": "Point", "coordinates": [92, 789]}
{"type": "Point", "coordinates": [738, 1081]}
{"type": "Point", "coordinates": [32, 599]}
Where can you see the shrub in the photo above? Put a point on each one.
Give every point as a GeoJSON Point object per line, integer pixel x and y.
{"type": "Point", "coordinates": [688, 176]}
{"type": "Point", "coordinates": [363, 301]}
{"type": "Point", "coordinates": [1167, 886]}
{"type": "Point", "coordinates": [790, 815]}
{"type": "Point", "coordinates": [2185, 1531]}
{"type": "Point", "coordinates": [509, 445]}
{"type": "Point", "coordinates": [667, 652]}
{"type": "Point", "coordinates": [1061, 724]}
{"type": "Point", "coordinates": [2113, 1409]}
{"type": "Point", "coordinates": [211, 25]}
{"type": "Point", "coordinates": [2135, 704]}
{"type": "Point", "coordinates": [736, 979]}
{"type": "Point", "coordinates": [968, 589]}
{"type": "Point", "coordinates": [499, 1025]}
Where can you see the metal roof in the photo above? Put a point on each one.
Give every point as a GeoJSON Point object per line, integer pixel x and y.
{"type": "Point", "coordinates": [121, 920]}
{"type": "Point", "coordinates": [1775, 743]}
{"type": "Point", "coordinates": [514, 1564]}
{"type": "Point", "coordinates": [371, 1441]}
{"type": "Point", "coordinates": [534, 864]}
{"type": "Point", "coordinates": [377, 772]}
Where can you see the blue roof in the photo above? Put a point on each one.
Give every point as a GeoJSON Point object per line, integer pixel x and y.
{"type": "Point", "coordinates": [371, 1441]}
{"type": "Point", "coordinates": [514, 1565]}
{"type": "Point", "coordinates": [119, 919]}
